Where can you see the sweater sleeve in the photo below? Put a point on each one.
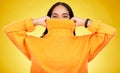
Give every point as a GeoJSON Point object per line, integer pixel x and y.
{"type": "Point", "coordinates": [100, 37]}
{"type": "Point", "coordinates": [16, 32]}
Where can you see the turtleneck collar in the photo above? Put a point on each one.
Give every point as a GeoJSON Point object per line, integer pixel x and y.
{"type": "Point", "coordinates": [60, 27]}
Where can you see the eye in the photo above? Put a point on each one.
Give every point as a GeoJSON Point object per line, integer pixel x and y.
{"type": "Point", "coordinates": [65, 16]}
{"type": "Point", "coordinates": [54, 16]}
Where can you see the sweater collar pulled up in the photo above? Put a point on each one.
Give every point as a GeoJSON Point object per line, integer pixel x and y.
{"type": "Point", "coordinates": [60, 27]}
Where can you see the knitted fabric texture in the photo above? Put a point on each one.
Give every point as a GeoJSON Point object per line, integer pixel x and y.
{"type": "Point", "coordinates": [59, 51]}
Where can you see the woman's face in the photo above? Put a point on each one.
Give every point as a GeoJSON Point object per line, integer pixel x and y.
{"type": "Point", "coordinates": [60, 12]}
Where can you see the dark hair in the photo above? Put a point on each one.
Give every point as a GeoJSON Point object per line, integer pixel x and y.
{"type": "Point", "coordinates": [50, 12]}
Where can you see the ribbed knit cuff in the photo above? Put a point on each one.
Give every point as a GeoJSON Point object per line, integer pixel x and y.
{"type": "Point", "coordinates": [29, 25]}
{"type": "Point", "coordinates": [98, 26]}
{"type": "Point", "coordinates": [93, 26]}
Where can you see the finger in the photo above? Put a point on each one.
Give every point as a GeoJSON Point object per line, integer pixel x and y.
{"type": "Point", "coordinates": [46, 18]}
{"type": "Point", "coordinates": [74, 19]}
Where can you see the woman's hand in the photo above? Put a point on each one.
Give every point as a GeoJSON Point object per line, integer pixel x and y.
{"type": "Point", "coordinates": [78, 21]}
{"type": "Point", "coordinates": [40, 21]}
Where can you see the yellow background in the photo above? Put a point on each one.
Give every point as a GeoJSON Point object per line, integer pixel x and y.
{"type": "Point", "coordinates": [13, 61]}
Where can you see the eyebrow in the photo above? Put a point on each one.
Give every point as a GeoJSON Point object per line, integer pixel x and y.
{"type": "Point", "coordinates": [62, 14]}
{"type": "Point", "coordinates": [54, 14]}
{"type": "Point", "coordinates": [65, 14]}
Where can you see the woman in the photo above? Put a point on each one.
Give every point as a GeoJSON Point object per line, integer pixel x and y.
{"type": "Point", "coordinates": [59, 50]}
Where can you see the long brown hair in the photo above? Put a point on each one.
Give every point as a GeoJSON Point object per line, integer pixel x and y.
{"type": "Point", "coordinates": [50, 13]}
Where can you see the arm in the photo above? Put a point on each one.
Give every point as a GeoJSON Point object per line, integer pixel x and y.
{"type": "Point", "coordinates": [100, 37]}
{"type": "Point", "coordinates": [16, 32]}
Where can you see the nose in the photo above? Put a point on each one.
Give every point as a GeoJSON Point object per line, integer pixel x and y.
{"type": "Point", "coordinates": [59, 17]}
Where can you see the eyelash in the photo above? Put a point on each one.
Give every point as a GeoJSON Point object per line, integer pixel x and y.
{"type": "Point", "coordinates": [54, 16]}
{"type": "Point", "coordinates": [65, 16]}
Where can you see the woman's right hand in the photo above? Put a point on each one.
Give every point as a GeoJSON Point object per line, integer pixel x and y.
{"type": "Point", "coordinates": [40, 21]}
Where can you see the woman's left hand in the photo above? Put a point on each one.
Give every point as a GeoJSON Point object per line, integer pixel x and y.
{"type": "Point", "coordinates": [78, 21]}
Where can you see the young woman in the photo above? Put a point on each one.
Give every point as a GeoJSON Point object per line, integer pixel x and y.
{"type": "Point", "coordinates": [59, 50]}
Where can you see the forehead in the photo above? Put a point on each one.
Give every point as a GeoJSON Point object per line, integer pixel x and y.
{"type": "Point", "coordinates": [60, 9]}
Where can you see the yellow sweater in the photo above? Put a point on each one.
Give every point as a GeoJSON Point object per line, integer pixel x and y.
{"type": "Point", "coordinates": [59, 51]}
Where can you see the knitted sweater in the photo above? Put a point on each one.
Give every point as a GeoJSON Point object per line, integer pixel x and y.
{"type": "Point", "coordinates": [59, 51]}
